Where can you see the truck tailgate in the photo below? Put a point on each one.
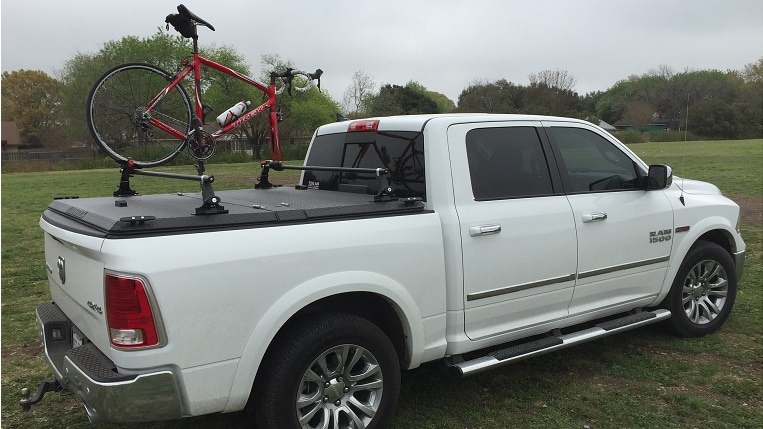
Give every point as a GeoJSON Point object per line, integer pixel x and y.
{"type": "Point", "coordinates": [75, 275]}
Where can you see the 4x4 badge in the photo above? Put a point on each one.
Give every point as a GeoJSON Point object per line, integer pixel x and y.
{"type": "Point", "coordinates": [62, 269]}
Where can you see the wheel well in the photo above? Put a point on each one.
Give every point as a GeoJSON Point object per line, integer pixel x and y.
{"type": "Point", "coordinates": [369, 306]}
{"type": "Point", "coordinates": [720, 238]}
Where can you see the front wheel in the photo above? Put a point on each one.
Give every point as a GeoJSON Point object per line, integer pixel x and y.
{"type": "Point", "coordinates": [334, 371]}
{"type": "Point", "coordinates": [703, 291]}
{"type": "Point", "coordinates": [121, 123]}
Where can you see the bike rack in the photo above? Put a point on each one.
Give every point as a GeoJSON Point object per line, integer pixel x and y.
{"type": "Point", "coordinates": [381, 175]}
{"type": "Point", "coordinates": [211, 204]}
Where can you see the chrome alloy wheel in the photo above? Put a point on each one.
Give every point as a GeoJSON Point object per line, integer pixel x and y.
{"type": "Point", "coordinates": [704, 291]}
{"type": "Point", "coordinates": [342, 388]}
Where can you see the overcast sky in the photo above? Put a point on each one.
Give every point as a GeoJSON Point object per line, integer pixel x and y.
{"type": "Point", "coordinates": [443, 44]}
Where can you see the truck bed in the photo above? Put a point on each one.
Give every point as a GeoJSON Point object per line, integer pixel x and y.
{"type": "Point", "coordinates": [148, 215]}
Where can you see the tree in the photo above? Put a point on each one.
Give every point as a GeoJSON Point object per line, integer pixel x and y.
{"type": "Point", "coordinates": [443, 103]}
{"type": "Point", "coordinates": [32, 99]}
{"type": "Point", "coordinates": [358, 93]}
{"type": "Point", "coordinates": [401, 100]}
{"type": "Point", "coordinates": [490, 97]}
{"type": "Point", "coordinates": [559, 79]}
{"type": "Point", "coordinates": [638, 114]}
{"type": "Point", "coordinates": [753, 72]}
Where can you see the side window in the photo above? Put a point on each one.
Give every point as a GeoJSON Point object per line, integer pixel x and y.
{"type": "Point", "coordinates": [507, 163]}
{"type": "Point", "coordinates": [591, 163]}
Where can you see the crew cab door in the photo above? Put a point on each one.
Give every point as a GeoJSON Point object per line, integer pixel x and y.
{"type": "Point", "coordinates": [517, 230]}
{"type": "Point", "coordinates": [624, 232]}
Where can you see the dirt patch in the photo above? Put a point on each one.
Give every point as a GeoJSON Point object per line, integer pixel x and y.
{"type": "Point", "coordinates": [22, 351]}
{"type": "Point", "coordinates": [751, 208]}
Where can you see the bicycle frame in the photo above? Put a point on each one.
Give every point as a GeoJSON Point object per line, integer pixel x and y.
{"type": "Point", "coordinates": [195, 66]}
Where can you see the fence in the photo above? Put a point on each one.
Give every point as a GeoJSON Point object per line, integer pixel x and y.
{"type": "Point", "coordinates": [48, 155]}
{"type": "Point", "coordinates": [293, 148]}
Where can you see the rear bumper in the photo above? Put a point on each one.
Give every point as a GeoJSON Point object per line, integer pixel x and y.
{"type": "Point", "coordinates": [89, 374]}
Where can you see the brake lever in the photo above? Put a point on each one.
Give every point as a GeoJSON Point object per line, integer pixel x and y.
{"type": "Point", "coordinates": [317, 76]}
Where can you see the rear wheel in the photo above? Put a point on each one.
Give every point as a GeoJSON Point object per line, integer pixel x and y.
{"type": "Point", "coordinates": [336, 371]}
{"type": "Point", "coordinates": [120, 122]}
{"type": "Point", "coordinates": [703, 291]}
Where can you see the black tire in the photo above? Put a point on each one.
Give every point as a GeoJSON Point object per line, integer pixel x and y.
{"type": "Point", "coordinates": [703, 291]}
{"type": "Point", "coordinates": [337, 367]}
{"type": "Point", "coordinates": [117, 117]}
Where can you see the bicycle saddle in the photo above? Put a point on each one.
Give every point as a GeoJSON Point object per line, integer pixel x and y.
{"type": "Point", "coordinates": [193, 17]}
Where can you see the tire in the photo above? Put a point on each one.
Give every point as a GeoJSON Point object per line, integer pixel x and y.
{"type": "Point", "coordinates": [336, 370]}
{"type": "Point", "coordinates": [703, 291]}
{"type": "Point", "coordinates": [118, 120]}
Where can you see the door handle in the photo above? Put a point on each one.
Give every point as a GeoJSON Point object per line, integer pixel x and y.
{"type": "Point", "coordinates": [484, 230]}
{"type": "Point", "coordinates": [594, 217]}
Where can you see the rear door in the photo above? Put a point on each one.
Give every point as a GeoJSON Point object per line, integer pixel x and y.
{"type": "Point", "coordinates": [624, 232]}
{"type": "Point", "coordinates": [517, 230]}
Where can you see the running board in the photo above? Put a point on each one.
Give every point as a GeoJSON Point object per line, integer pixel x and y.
{"type": "Point", "coordinates": [558, 342]}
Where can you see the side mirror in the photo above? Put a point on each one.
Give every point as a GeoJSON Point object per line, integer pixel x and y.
{"type": "Point", "coordinates": [660, 177]}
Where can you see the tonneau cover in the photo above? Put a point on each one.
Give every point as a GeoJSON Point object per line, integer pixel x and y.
{"type": "Point", "coordinates": [116, 217]}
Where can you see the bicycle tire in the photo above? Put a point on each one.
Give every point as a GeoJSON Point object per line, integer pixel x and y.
{"type": "Point", "coordinates": [118, 120]}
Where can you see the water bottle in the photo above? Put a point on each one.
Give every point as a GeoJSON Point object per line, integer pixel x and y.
{"type": "Point", "coordinates": [233, 113]}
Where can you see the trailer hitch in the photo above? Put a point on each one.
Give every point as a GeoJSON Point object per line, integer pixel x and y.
{"type": "Point", "coordinates": [46, 385]}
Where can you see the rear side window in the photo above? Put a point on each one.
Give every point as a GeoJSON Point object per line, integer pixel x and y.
{"type": "Point", "coordinates": [507, 162]}
{"type": "Point", "coordinates": [402, 153]}
{"type": "Point", "coordinates": [592, 163]}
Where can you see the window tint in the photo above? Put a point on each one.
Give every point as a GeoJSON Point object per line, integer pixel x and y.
{"type": "Point", "coordinates": [402, 153]}
{"type": "Point", "coordinates": [591, 163]}
{"type": "Point", "coordinates": [507, 163]}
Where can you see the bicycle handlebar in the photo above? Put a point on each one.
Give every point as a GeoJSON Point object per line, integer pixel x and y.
{"type": "Point", "coordinates": [288, 76]}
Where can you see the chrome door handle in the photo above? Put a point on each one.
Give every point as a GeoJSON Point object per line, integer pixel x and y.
{"type": "Point", "coordinates": [594, 217]}
{"type": "Point", "coordinates": [484, 230]}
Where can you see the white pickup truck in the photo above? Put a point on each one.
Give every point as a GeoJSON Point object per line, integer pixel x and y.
{"type": "Point", "coordinates": [475, 239]}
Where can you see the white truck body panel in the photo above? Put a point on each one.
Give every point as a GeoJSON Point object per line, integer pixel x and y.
{"type": "Point", "coordinates": [461, 274]}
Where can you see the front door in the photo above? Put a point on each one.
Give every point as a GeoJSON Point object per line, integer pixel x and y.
{"type": "Point", "coordinates": [624, 232]}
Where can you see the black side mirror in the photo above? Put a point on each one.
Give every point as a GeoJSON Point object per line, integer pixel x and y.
{"type": "Point", "coordinates": [660, 177]}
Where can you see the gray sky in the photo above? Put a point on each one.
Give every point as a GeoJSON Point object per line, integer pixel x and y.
{"type": "Point", "coordinates": [443, 44]}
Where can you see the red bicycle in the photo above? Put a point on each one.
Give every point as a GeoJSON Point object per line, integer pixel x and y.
{"type": "Point", "coordinates": [141, 115]}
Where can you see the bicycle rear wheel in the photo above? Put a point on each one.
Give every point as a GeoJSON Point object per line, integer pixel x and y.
{"type": "Point", "coordinates": [120, 122]}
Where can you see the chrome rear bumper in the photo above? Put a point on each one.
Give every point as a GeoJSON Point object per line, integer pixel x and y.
{"type": "Point", "coordinates": [89, 374]}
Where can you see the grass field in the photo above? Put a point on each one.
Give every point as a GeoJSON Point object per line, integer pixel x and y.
{"type": "Point", "coordinates": [642, 379]}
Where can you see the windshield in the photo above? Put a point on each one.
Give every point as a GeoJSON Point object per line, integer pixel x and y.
{"type": "Point", "coordinates": [402, 153]}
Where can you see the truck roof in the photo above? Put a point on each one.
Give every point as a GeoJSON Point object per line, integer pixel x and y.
{"type": "Point", "coordinates": [417, 122]}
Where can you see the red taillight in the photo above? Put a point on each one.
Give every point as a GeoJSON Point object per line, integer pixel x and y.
{"type": "Point", "coordinates": [363, 125]}
{"type": "Point", "coordinates": [128, 312]}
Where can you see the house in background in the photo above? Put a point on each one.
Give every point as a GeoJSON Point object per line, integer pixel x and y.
{"type": "Point", "coordinates": [11, 139]}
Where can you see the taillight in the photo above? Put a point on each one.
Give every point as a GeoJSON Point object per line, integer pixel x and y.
{"type": "Point", "coordinates": [128, 312]}
{"type": "Point", "coordinates": [363, 125]}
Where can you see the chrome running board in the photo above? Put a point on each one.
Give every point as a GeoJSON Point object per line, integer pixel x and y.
{"type": "Point", "coordinates": [557, 342]}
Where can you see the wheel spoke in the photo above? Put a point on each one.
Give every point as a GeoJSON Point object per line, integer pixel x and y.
{"type": "Point", "coordinates": [367, 409]}
{"type": "Point", "coordinates": [368, 371]}
{"type": "Point", "coordinates": [711, 308]}
{"type": "Point", "coordinates": [304, 419]}
{"type": "Point", "coordinates": [305, 400]}
{"type": "Point", "coordinates": [356, 420]}
{"type": "Point", "coordinates": [711, 270]}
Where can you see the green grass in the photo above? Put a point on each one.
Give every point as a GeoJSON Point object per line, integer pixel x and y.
{"type": "Point", "coordinates": [642, 379]}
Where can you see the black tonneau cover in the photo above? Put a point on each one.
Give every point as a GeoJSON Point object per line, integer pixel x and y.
{"type": "Point", "coordinates": [149, 215]}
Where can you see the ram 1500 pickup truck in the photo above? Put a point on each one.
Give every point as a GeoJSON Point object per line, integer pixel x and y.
{"type": "Point", "coordinates": [475, 239]}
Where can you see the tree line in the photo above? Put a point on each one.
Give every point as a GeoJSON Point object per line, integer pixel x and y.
{"type": "Point", "coordinates": [50, 112]}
